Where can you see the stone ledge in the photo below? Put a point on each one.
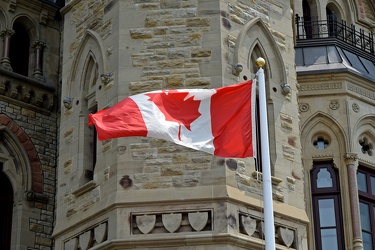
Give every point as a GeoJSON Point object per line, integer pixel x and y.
{"type": "Point", "coordinates": [84, 188]}
{"type": "Point", "coordinates": [275, 181]}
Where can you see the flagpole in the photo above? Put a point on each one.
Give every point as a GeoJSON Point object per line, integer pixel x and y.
{"type": "Point", "coordinates": [269, 228]}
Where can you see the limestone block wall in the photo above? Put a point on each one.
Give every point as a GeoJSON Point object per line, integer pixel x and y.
{"type": "Point", "coordinates": [34, 204]}
{"type": "Point", "coordinates": [145, 186]}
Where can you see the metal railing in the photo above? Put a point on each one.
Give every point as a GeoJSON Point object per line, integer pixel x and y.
{"type": "Point", "coordinates": [313, 28]}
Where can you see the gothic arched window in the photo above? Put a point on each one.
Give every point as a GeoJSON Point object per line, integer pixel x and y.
{"type": "Point", "coordinates": [20, 49]}
{"type": "Point", "coordinates": [326, 205]}
{"type": "Point", "coordinates": [89, 106]}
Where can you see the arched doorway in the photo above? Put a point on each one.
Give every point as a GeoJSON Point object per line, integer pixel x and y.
{"type": "Point", "coordinates": [6, 210]}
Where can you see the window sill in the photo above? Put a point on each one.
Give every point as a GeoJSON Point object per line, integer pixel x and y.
{"type": "Point", "coordinates": [275, 181]}
{"type": "Point", "coordinates": [84, 188]}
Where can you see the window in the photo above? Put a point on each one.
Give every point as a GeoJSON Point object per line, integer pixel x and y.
{"type": "Point", "coordinates": [332, 22]}
{"type": "Point", "coordinates": [256, 53]}
{"type": "Point", "coordinates": [326, 205]}
{"type": "Point", "coordinates": [307, 19]}
{"type": "Point", "coordinates": [89, 106]}
{"type": "Point", "coordinates": [366, 193]}
{"type": "Point", "coordinates": [20, 49]}
{"type": "Point", "coordinates": [258, 158]}
{"type": "Point", "coordinates": [91, 138]}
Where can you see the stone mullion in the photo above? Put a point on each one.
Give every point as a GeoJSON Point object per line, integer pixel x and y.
{"type": "Point", "coordinates": [38, 71]}
{"type": "Point", "coordinates": [352, 167]}
{"type": "Point", "coordinates": [6, 35]}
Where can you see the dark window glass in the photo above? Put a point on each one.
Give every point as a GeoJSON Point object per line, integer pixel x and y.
{"type": "Point", "coordinates": [19, 50]}
{"type": "Point", "coordinates": [258, 142]}
{"type": "Point", "coordinates": [307, 19]}
{"type": "Point", "coordinates": [366, 193]}
{"type": "Point", "coordinates": [362, 182]}
{"type": "Point", "coordinates": [90, 106]}
{"type": "Point", "coordinates": [326, 207]}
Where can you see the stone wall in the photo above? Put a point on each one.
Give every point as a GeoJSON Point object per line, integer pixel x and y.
{"type": "Point", "coordinates": [151, 45]}
{"type": "Point", "coordinates": [36, 131]}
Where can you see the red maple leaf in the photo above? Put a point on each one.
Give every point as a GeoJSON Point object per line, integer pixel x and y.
{"type": "Point", "coordinates": [176, 108]}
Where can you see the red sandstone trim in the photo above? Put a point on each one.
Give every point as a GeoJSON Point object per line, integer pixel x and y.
{"type": "Point", "coordinates": [27, 144]}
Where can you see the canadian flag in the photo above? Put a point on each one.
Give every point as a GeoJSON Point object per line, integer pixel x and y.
{"type": "Point", "coordinates": [218, 121]}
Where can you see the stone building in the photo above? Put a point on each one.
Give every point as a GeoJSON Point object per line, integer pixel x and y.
{"type": "Point", "coordinates": [63, 61]}
{"type": "Point", "coordinates": [142, 192]}
{"type": "Point", "coordinates": [335, 74]}
{"type": "Point", "coordinates": [29, 95]}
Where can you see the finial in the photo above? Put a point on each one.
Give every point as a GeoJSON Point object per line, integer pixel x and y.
{"type": "Point", "coordinates": [260, 62]}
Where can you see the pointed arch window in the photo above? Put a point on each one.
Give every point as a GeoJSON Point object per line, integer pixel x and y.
{"type": "Point", "coordinates": [256, 53]}
{"type": "Point", "coordinates": [89, 105]}
{"type": "Point", "coordinates": [20, 49]}
{"type": "Point", "coordinates": [265, 46]}
{"type": "Point", "coordinates": [326, 203]}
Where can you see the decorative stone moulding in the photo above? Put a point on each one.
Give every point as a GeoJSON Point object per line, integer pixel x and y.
{"type": "Point", "coordinates": [28, 91]}
{"type": "Point", "coordinates": [33, 196]}
{"type": "Point", "coordinates": [253, 227]}
{"type": "Point", "coordinates": [146, 223]}
{"type": "Point", "coordinates": [366, 145]}
{"type": "Point", "coordinates": [174, 222]}
{"type": "Point", "coordinates": [88, 238]}
{"type": "Point", "coordinates": [198, 220]}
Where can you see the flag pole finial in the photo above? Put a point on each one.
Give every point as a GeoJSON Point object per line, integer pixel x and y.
{"type": "Point", "coordinates": [260, 62]}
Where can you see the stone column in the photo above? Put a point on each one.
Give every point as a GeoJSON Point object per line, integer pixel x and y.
{"type": "Point", "coordinates": [351, 161]}
{"type": "Point", "coordinates": [5, 36]}
{"type": "Point", "coordinates": [38, 71]}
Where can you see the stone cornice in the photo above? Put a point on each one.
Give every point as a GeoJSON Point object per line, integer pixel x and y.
{"type": "Point", "coordinates": [368, 162]}
{"type": "Point", "coordinates": [346, 86]}
{"type": "Point", "coordinates": [26, 90]}
{"type": "Point", "coordinates": [15, 76]}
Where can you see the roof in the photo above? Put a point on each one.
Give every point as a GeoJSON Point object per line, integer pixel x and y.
{"type": "Point", "coordinates": [332, 58]}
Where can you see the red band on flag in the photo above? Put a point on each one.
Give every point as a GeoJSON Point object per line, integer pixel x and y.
{"type": "Point", "coordinates": [231, 117]}
{"type": "Point", "coordinates": [121, 120]}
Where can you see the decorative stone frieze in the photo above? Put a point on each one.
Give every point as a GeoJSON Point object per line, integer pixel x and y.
{"type": "Point", "coordinates": [254, 227]}
{"type": "Point", "coordinates": [174, 222]}
{"type": "Point", "coordinates": [28, 91]}
{"type": "Point", "coordinates": [88, 238]}
{"type": "Point", "coordinates": [320, 86]}
{"type": "Point", "coordinates": [361, 91]}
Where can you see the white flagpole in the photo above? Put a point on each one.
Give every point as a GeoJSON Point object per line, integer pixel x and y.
{"type": "Point", "coordinates": [269, 228]}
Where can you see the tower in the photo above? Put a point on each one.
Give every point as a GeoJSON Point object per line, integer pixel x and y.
{"type": "Point", "coordinates": [142, 192]}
